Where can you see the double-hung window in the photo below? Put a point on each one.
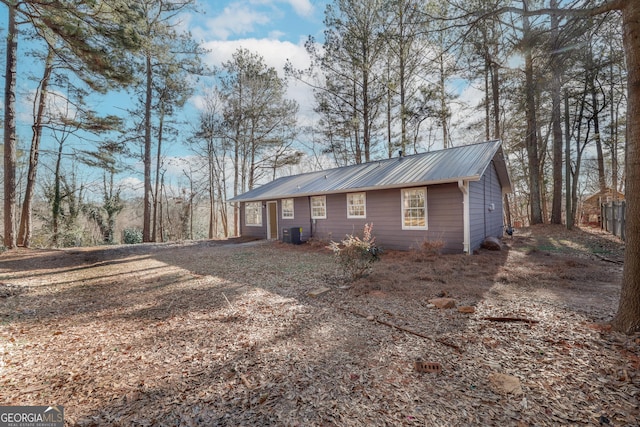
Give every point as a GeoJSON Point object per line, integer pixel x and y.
{"type": "Point", "coordinates": [357, 205]}
{"type": "Point", "coordinates": [287, 208]}
{"type": "Point", "coordinates": [414, 209]}
{"type": "Point", "coordinates": [253, 214]}
{"type": "Point", "coordinates": [319, 207]}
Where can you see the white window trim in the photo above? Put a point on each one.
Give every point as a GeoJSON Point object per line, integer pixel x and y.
{"type": "Point", "coordinates": [324, 198]}
{"type": "Point", "coordinates": [246, 205]}
{"type": "Point", "coordinates": [365, 205]}
{"type": "Point", "coordinates": [293, 205]}
{"type": "Point", "coordinates": [426, 214]}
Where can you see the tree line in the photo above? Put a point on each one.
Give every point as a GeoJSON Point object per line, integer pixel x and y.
{"type": "Point", "coordinates": [555, 83]}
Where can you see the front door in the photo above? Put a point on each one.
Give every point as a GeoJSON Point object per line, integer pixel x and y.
{"type": "Point", "coordinates": [272, 220]}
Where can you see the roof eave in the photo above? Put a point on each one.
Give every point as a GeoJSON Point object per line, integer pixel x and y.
{"type": "Point", "coordinates": [360, 189]}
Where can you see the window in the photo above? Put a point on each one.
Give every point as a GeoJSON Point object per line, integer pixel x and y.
{"type": "Point", "coordinates": [319, 207]}
{"type": "Point", "coordinates": [253, 214]}
{"type": "Point", "coordinates": [357, 205]}
{"type": "Point", "coordinates": [414, 209]}
{"type": "Point", "coordinates": [287, 208]}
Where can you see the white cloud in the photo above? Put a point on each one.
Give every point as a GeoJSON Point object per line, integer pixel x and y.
{"type": "Point", "coordinates": [275, 54]}
{"type": "Point", "coordinates": [302, 7]}
{"type": "Point", "coordinates": [235, 19]}
{"type": "Point", "coordinates": [131, 187]}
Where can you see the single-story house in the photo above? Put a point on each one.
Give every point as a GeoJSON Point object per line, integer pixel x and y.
{"type": "Point", "coordinates": [453, 195]}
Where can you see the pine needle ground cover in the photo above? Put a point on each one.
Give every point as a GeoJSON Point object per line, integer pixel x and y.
{"type": "Point", "coordinates": [206, 334]}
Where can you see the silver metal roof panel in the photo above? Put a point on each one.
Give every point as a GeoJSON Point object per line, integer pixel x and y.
{"type": "Point", "coordinates": [467, 162]}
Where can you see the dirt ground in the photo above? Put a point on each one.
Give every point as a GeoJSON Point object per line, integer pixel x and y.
{"type": "Point", "coordinates": [212, 334]}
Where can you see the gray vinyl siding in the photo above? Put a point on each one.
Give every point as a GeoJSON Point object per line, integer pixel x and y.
{"type": "Point", "coordinates": [251, 231]}
{"type": "Point", "coordinates": [482, 194]}
{"type": "Point", "coordinates": [301, 217]}
{"type": "Point", "coordinates": [444, 219]}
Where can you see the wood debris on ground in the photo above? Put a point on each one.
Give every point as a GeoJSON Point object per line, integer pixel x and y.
{"type": "Point", "coordinates": [204, 334]}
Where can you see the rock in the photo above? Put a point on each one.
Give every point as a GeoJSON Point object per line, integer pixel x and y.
{"type": "Point", "coordinates": [492, 243]}
{"type": "Point", "coordinates": [505, 384]}
{"type": "Point", "coordinates": [466, 309]}
{"type": "Point", "coordinates": [443, 302]}
{"type": "Point", "coordinates": [317, 292]}
{"type": "Point", "coordinates": [370, 318]}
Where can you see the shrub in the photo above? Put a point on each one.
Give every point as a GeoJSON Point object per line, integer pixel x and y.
{"type": "Point", "coordinates": [356, 255]}
{"type": "Point", "coordinates": [428, 249]}
{"type": "Point", "coordinates": [132, 236]}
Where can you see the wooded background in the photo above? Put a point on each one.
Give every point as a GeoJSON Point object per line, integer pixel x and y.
{"type": "Point", "coordinates": [387, 76]}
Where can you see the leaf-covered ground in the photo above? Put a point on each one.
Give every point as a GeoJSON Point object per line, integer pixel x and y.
{"type": "Point", "coordinates": [212, 334]}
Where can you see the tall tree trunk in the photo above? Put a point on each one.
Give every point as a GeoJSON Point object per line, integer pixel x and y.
{"type": "Point", "coordinates": [156, 194]}
{"type": "Point", "coordinates": [146, 216]}
{"type": "Point", "coordinates": [443, 105]}
{"type": "Point", "coordinates": [592, 73]}
{"type": "Point", "coordinates": [403, 96]}
{"type": "Point", "coordinates": [579, 150]}
{"type": "Point", "coordinates": [567, 169]}
{"type": "Point", "coordinates": [495, 88]}
{"type": "Point", "coordinates": [556, 87]}
{"type": "Point", "coordinates": [57, 197]}
{"type": "Point", "coordinates": [10, 140]}
{"type": "Point", "coordinates": [366, 113]}
{"type": "Point", "coordinates": [487, 105]}
{"type": "Point", "coordinates": [602, 181]}
{"type": "Point", "coordinates": [356, 137]}
{"type": "Point", "coordinates": [628, 317]}
{"type": "Point", "coordinates": [389, 98]}
{"type": "Point", "coordinates": [24, 234]}
{"type": "Point", "coordinates": [614, 137]}
{"type": "Point", "coordinates": [531, 139]}
{"type": "Point", "coordinates": [212, 192]}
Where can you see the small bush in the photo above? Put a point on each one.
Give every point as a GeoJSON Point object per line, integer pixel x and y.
{"type": "Point", "coordinates": [132, 236]}
{"type": "Point", "coordinates": [356, 255]}
{"type": "Point", "coordinates": [428, 249]}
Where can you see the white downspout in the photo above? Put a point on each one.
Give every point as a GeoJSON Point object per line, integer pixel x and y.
{"type": "Point", "coordinates": [466, 221]}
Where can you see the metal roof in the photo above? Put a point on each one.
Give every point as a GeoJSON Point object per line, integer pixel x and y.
{"type": "Point", "coordinates": [467, 162]}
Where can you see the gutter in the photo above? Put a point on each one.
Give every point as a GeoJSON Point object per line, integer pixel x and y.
{"type": "Point", "coordinates": [463, 186]}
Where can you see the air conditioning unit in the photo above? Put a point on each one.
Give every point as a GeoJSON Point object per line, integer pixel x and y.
{"type": "Point", "coordinates": [292, 235]}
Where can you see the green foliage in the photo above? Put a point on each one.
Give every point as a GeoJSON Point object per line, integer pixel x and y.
{"type": "Point", "coordinates": [356, 255]}
{"type": "Point", "coordinates": [132, 236]}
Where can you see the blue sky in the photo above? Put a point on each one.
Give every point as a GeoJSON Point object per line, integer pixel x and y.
{"type": "Point", "coordinates": [276, 29]}
{"type": "Point", "coordinates": [262, 19]}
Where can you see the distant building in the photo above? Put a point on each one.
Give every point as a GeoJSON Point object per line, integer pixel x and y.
{"type": "Point", "coordinates": [591, 213]}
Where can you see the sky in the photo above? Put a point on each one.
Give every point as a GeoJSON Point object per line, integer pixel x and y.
{"type": "Point", "coordinates": [276, 29]}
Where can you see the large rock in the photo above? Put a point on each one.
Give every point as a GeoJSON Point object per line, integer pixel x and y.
{"type": "Point", "coordinates": [443, 302]}
{"type": "Point", "coordinates": [492, 243]}
{"type": "Point", "coordinates": [505, 384]}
